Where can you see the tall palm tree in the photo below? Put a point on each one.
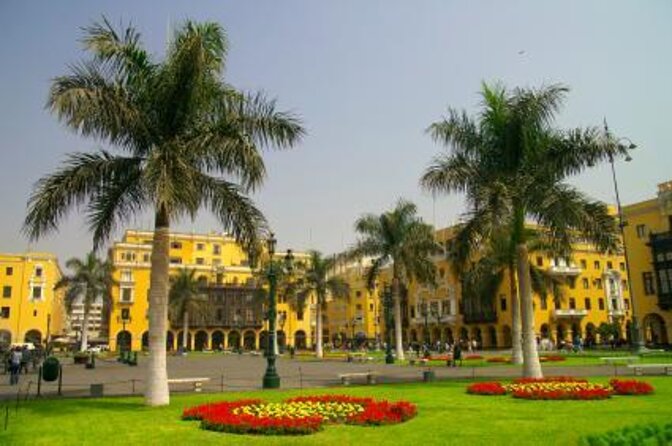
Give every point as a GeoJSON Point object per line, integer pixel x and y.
{"type": "Point", "coordinates": [511, 163]}
{"type": "Point", "coordinates": [186, 299]}
{"type": "Point", "coordinates": [186, 140]}
{"type": "Point", "coordinates": [398, 238]}
{"type": "Point", "coordinates": [320, 281]}
{"type": "Point", "coordinates": [90, 282]}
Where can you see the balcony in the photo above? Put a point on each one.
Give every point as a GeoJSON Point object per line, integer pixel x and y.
{"type": "Point", "coordinates": [617, 312]}
{"type": "Point", "coordinates": [569, 313]}
{"type": "Point", "coordinates": [564, 270]}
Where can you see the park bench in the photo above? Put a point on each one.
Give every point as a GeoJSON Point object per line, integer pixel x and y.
{"type": "Point", "coordinates": [620, 359]}
{"type": "Point", "coordinates": [639, 368]}
{"type": "Point", "coordinates": [197, 382]}
{"type": "Point", "coordinates": [346, 377]}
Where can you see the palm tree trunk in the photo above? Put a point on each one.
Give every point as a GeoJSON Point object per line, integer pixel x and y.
{"type": "Point", "coordinates": [516, 338]}
{"type": "Point", "coordinates": [399, 347]}
{"type": "Point", "coordinates": [531, 364]}
{"type": "Point", "coordinates": [318, 329]}
{"type": "Point", "coordinates": [84, 344]}
{"type": "Point", "coordinates": [156, 390]}
{"type": "Point", "coordinates": [185, 331]}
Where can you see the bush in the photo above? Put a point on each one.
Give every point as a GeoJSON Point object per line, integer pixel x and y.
{"type": "Point", "coordinates": [647, 434]}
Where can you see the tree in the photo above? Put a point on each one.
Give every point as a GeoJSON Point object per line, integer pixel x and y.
{"type": "Point", "coordinates": [91, 281]}
{"type": "Point", "coordinates": [398, 238]}
{"type": "Point", "coordinates": [187, 140]}
{"type": "Point", "coordinates": [319, 280]}
{"type": "Point", "coordinates": [512, 163]}
{"type": "Point", "coordinates": [186, 299]}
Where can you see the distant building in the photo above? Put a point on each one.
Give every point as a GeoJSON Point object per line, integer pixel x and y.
{"type": "Point", "coordinates": [97, 323]}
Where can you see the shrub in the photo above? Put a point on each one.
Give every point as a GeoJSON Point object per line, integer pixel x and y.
{"type": "Point", "coordinates": [654, 434]}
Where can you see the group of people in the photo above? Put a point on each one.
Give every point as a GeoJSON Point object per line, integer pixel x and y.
{"type": "Point", "coordinates": [18, 359]}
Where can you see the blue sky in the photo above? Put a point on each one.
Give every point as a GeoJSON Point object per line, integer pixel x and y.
{"type": "Point", "coordinates": [367, 77]}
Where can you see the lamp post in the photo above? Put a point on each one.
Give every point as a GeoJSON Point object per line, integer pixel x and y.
{"type": "Point", "coordinates": [282, 318]}
{"type": "Point", "coordinates": [387, 303]}
{"type": "Point", "coordinates": [636, 340]}
{"type": "Point", "coordinates": [271, 378]}
{"type": "Point", "coordinates": [424, 311]}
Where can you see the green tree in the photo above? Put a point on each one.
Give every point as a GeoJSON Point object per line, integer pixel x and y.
{"type": "Point", "coordinates": [185, 300]}
{"type": "Point", "coordinates": [512, 164]}
{"type": "Point", "coordinates": [399, 239]}
{"type": "Point", "coordinates": [186, 140]}
{"type": "Point", "coordinates": [90, 282]}
{"type": "Point", "coordinates": [319, 280]}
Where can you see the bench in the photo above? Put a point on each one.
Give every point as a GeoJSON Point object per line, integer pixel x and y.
{"type": "Point", "coordinates": [639, 368]}
{"type": "Point", "coordinates": [620, 359]}
{"type": "Point", "coordinates": [346, 377]}
{"type": "Point", "coordinates": [197, 382]}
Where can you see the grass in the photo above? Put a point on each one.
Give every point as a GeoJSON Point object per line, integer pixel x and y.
{"type": "Point", "coordinates": [447, 415]}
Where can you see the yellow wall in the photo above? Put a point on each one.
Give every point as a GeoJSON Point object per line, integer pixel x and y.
{"type": "Point", "coordinates": [18, 278]}
{"type": "Point", "coordinates": [213, 256]}
{"type": "Point", "coordinates": [646, 218]}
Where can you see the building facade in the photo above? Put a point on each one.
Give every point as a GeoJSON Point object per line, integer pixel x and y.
{"type": "Point", "coordinates": [235, 314]}
{"type": "Point", "coordinates": [30, 309]}
{"type": "Point", "coordinates": [648, 235]}
{"type": "Point", "coordinates": [97, 323]}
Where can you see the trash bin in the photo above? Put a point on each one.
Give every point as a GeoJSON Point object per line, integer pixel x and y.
{"type": "Point", "coordinates": [97, 390]}
{"type": "Point", "coordinates": [428, 375]}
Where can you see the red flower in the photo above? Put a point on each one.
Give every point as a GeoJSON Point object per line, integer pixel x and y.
{"type": "Point", "coordinates": [486, 388]}
{"type": "Point", "coordinates": [630, 387]}
{"type": "Point", "coordinates": [550, 379]}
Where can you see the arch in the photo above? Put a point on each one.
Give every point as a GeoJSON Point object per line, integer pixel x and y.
{"type": "Point", "coordinates": [576, 330]}
{"type": "Point", "coordinates": [202, 280]}
{"type": "Point", "coordinates": [145, 340]}
{"type": "Point", "coordinates": [249, 340]}
{"type": "Point", "coordinates": [264, 339]}
{"type": "Point", "coordinates": [217, 340]}
{"type": "Point", "coordinates": [300, 340]}
{"type": "Point", "coordinates": [170, 341]}
{"type": "Point", "coordinates": [477, 334]}
{"type": "Point", "coordinates": [464, 334]}
{"type": "Point", "coordinates": [413, 335]}
{"type": "Point", "coordinates": [507, 337]}
{"type": "Point", "coordinates": [448, 335]}
{"type": "Point", "coordinates": [655, 331]}
{"type": "Point", "coordinates": [34, 336]}
{"type": "Point", "coordinates": [179, 339]}
{"type": "Point", "coordinates": [436, 335]}
{"type": "Point", "coordinates": [561, 332]}
{"type": "Point", "coordinates": [492, 336]}
{"type": "Point", "coordinates": [201, 341]}
{"type": "Point", "coordinates": [282, 340]}
{"type": "Point", "coordinates": [124, 340]}
{"type": "Point", "coordinates": [234, 340]}
{"type": "Point", "coordinates": [590, 333]}
{"type": "Point", "coordinates": [545, 331]}
{"type": "Point", "coordinates": [5, 337]}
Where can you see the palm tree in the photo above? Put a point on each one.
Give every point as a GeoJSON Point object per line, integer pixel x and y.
{"type": "Point", "coordinates": [186, 138]}
{"type": "Point", "coordinates": [511, 163]}
{"type": "Point", "coordinates": [400, 238]}
{"type": "Point", "coordinates": [90, 282]}
{"type": "Point", "coordinates": [186, 299]}
{"type": "Point", "coordinates": [318, 280]}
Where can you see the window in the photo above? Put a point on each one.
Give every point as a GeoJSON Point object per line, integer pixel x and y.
{"type": "Point", "coordinates": [587, 303]}
{"type": "Point", "coordinates": [610, 264]}
{"type": "Point", "coordinates": [9, 270]}
{"type": "Point", "coordinates": [626, 304]}
{"type": "Point", "coordinates": [38, 271]}
{"type": "Point", "coordinates": [621, 266]}
{"type": "Point", "coordinates": [4, 313]}
{"type": "Point", "coordinates": [412, 312]}
{"type": "Point", "coordinates": [216, 250]}
{"type": "Point", "coordinates": [358, 294]}
{"type": "Point", "coordinates": [502, 303]}
{"type": "Point", "coordinates": [176, 260]}
{"type": "Point", "coordinates": [6, 291]}
{"type": "Point", "coordinates": [556, 304]}
{"type": "Point", "coordinates": [37, 292]}
{"type": "Point", "coordinates": [544, 304]}
{"type": "Point", "coordinates": [584, 265]}
{"type": "Point", "coordinates": [586, 283]}
{"type": "Point", "coordinates": [299, 315]}
{"type": "Point", "coordinates": [126, 276]}
{"type": "Point", "coordinates": [614, 304]}
{"type": "Point", "coordinates": [175, 245]}
{"type": "Point", "coordinates": [249, 315]}
{"type": "Point", "coordinates": [624, 284]}
{"type": "Point", "coordinates": [665, 280]}
{"type": "Point", "coordinates": [216, 262]}
{"type": "Point", "coordinates": [145, 258]}
{"type": "Point", "coordinates": [126, 294]}
{"type": "Point", "coordinates": [598, 284]}
{"type": "Point", "coordinates": [442, 272]}
{"type": "Point", "coordinates": [125, 314]}
{"type": "Point", "coordinates": [34, 313]}
{"type": "Point", "coordinates": [572, 282]}
{"type": "Point", "coordinates": [370, 307]}
{"type": "Point", "coordinates": [596, 264]}
{"type": "Point", "coordinates": [359, 307]}
{"type": "Point", "coordinates": [200, 246]}
{"type": "Point", "coordinates": [540, 261]}
{"type": "Point", "coordinates": [641, 231]}
{"type": "Point", "coordinates": [649, 288]}
{"type": "Point", "coordinates": [600, 303]}
{"type": "Point", "coordinates": [200, 261]}
{"type": "Point", "coordinates": [572, 303]}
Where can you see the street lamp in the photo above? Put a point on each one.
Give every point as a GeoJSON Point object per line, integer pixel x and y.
{"type": "Point", "coordinates": [636, 340]}
{"type": "Point", "coordinates": [387, 304]}
{"type": "Point", "coordinates": [424, 311]}
{"type": "Point", "coordinates": [271, 378]}
{"type": "Point", "coordinates": [282, 318]}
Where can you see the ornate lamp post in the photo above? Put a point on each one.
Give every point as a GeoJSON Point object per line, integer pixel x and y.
{"type": "Point", "coordinates": [636, 340]}
{"type": "Point", "coordinates": [271, 378]}
{"type": "Point", "coordinates": [387, 303]}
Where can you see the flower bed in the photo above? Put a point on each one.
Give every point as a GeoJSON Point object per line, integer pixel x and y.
{"type": "Point", "coordinates": [297, 416]}
{"type": "Point", "coordinates": [552, 358]}
{"type": "Point", "coordinates": [499, 359]}
{"type": "Point", "coordinates": [472, 357]}
{"type": "Point", "coordinates": [630, 387]}
{"type": "Point", "coordinates": [486, 388]}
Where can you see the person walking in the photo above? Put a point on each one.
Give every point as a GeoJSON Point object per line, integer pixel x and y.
{"type": "Point", "coordinates": [457, 354]}
{"type": "Point", "coordinates": [25, 360]}
{"type": "Point", "coordinates": [15, 365]}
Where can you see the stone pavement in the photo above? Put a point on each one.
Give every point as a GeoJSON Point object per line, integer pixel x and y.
{"type": "Point", "coordinates": [244, 372]}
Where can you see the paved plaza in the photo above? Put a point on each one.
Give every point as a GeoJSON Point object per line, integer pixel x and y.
{"type": "Point", "coordinates": [244, 372]}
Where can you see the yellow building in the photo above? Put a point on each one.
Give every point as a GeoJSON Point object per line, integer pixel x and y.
{"type": "Point", "coordinates": [648, 237]}
{"type": "Point", "coordinates": [30, 308]}
{"type": "Point", "coordinates": [595, 290]}
{"type": "Point", "coordinates": [236, 317]}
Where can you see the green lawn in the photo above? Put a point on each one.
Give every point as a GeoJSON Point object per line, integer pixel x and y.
{"type": "Point", "coordinates": [446, 415]}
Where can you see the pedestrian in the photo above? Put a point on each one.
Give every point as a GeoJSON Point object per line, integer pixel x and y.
{"type": "Point", "coordinates": [457, 354]}
{"type": "Point", "coordinates": [25, 360]}
{"type": "Point", "coordinates": [15, 366]}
